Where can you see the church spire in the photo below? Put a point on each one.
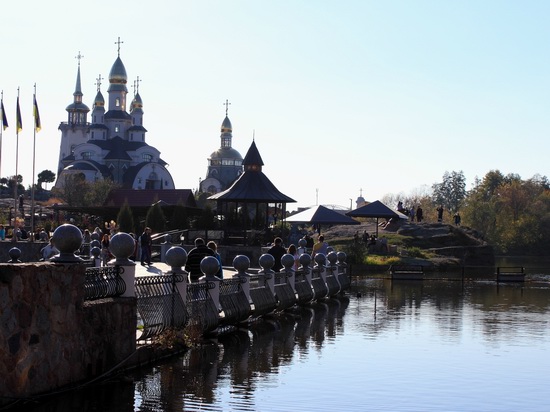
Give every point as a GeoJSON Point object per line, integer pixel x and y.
{"type": "Point", "coordinates": [227, 129]}
{"type": "Point", "coordinates": [77, 111]}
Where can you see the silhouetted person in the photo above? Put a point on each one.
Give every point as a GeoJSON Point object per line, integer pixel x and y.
{"type": "Point", "coordinates": [194, 258]}
{"type": "Point", "coordinates": [277, 251]}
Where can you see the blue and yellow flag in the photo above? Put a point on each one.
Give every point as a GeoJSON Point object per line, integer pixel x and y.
{"type": "Point", "coordinates": [18, 121]}
{"type": "Point", "coordinates": [37, 125]}
{"type": "Point", "coordinates": [4, 117]}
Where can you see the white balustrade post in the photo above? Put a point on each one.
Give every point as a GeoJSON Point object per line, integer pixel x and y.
{"type": "Point", "coordinates": [266, 262]}
{"type": "Point", "coordinates": [176, 257]}
{"type": "Point", "coordinates": [122, 246]}
{"type": "Point", "coordinates": [210, 266]}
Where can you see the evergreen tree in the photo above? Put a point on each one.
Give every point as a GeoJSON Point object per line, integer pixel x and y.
{"type": "Point", "coordinates": [125, 218]}
{"type": "Point", "coordinates": [155, 218]}
{"type": "Point", "coordinates": [179, 219]}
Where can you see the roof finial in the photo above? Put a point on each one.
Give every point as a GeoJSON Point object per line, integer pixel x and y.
{"type": "Point", "coordinates": [98, 82]}
{"type": "Point", "coordinates": [253, 135]}
{"type": "Point", "coordinates": [79, 57]}
{"type": "Point", "coordinates": [119, 42]}
{"type": "Point", "coordinates": [226, 104]}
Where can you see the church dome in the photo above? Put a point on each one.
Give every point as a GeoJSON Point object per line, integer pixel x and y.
{"type": "Point", "coordinates": [137, 103]}
{"type": "Point", "coordinates": [99, 99]}
{"type": "Point", "coordinates": [226, 153]}
{"type": "Point", "coordinates": [77, 107]}
{"type": "Point", "coordinates": [226, 125]}
{"type": "Point", "coordinates": [118, 72]}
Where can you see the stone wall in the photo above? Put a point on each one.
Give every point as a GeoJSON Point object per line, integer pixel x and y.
{"type": "Point", "coordinates": [50, 337]}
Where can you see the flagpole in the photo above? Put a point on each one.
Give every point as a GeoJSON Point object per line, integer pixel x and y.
{"type": "Point", "coordinates": [35, 112]}
{"type": "Point", "coordinates": [17, 126]}
{"type": "Point", "coordinates": [1, 131]}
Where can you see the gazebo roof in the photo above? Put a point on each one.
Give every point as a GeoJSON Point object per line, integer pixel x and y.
{"type": "Point", "coordinates": [252, 186]}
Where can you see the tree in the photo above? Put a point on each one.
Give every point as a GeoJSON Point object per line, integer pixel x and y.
{"type": "Point", "coordinates": [155, 218]}
{"type": "Point", "coordinates": [78, 192]}
{"type": "Point", "coordinates": [179, 219]}
{"type": "Point", "coordinates": [45, 176]}
{"type": "Point", "coordinates": [125, 218]}
{"type": "Point", "coordinates": [451, 192]}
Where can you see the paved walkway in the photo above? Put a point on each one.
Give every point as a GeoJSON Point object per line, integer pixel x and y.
{"type": "Point", "coordinates": [157, 268]}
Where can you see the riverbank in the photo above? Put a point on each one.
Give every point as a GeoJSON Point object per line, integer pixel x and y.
{"type": "Point", "coordinates": [434, 245]}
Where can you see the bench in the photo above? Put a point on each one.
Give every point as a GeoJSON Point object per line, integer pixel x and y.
{"type": "Point", "coordinates": [407, 272]}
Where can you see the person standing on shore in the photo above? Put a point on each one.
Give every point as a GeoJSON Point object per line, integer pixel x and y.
{"type": "Point", "coordinates": [277, 251]}
{"type": "Point", "coordinates": [320, 247]}
{"type": "Point", "coordinates": [212, 245]}
{"type": "Point", "coordinates": [145, 242]}
{"type": "Point", "coordinates": [194, 258]}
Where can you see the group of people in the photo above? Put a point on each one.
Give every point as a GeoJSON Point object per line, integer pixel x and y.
{"type": "Point", "coordinates": [277, 250]}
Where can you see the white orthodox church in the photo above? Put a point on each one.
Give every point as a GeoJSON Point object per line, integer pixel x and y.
{"type": "Point", "coordinates": [225, 164]}
{"type": "Point", "coordinates": [112, 145]}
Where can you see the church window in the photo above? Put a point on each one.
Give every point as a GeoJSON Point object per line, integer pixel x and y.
{"type": "Point", "coordinates": [146, 157]}
{"type": "Point", "coordinates": [226, 141]}
{"type": "Point", "coordinates": [117, 102]}
{"type": "Point", "coordinates": [238, 162]}
{"type": "Point", "coordinates": [92, 135]}
{"type": "Point", "coordinates": [72, 148]}
{"type": "Point", "coordinates": [131, 136]}
{"type": "Point", "coordinates": [228, 162]}
{"type": "Point", "coordinates": [87, 155]}
{"type": "Point", "coordinates": [117, 128]}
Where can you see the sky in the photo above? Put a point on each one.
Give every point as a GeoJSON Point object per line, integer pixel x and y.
{"type": "Point", "coordinates": [342, 97]}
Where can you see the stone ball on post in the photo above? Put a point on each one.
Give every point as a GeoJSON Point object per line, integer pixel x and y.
{"type": "Point", "coordinates": [266, 261]}
{"type": "Point", "coordinates": [332, 258]}
{"type": "Point", "coordinates": [176, 257]}
{"type": "Point", "coordinates": [287, 260]}
{"type": "Point", "coordinates": [210, 266]}
{"type": "Point", "coordinates": [67, 239]}
{"type": "Point", "coordinates": [241, 263]}
{"type": "Point", "coordinates": [305, 259]}
{"type": "Point", "coordinates": [15, 254]}
{"type": "Point", "coordinates": [320, 259]}
{"type": "Point", "coordinates": [341, 257]}
{"type": "Point", "coordinates": [122, 246]}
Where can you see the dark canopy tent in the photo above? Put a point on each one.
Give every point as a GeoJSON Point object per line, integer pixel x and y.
{"type": "Point", "coordinates": [378, 210]}
{"type": "Point", "coordinates": [321, 215]}
{"type": "Point", "coordinates": [245, 205]}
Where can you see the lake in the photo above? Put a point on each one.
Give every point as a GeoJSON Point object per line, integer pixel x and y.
{"type": "Point", "coordinates": [435, 345]}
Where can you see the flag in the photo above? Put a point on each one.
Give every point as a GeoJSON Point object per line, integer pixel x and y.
{"type": "Point", "coordinates": [37, 125]}
{"type": "Point", "coordinates": [18, 121]}
{"type": "Point", "coordinates": [4, 118]}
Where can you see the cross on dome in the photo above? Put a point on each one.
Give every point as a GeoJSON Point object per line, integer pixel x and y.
{"type": "Point", "coordinates": [119, 42]}
{"type": "Point", "coordinates": [226, 104]}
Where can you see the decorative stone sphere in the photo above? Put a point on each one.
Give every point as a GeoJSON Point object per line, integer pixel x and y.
{"type": "Point", "coordinates": [320, 259]}
{"type": "Point", "coordinates": [332, 258]}
{"type": "Point", "coordinates": [122, 246]}
{"type": "Point", "coordinates": [95, 251]}
{"type": "Point", "coordinates": [167, 238]}
{"type": "Point", "coordinates": [305, 259]}
{"type": "Point", "coordinates": [266, 261]}
{"type": "Point", "coordinates": [241, 263]}
{"type": "Point", "coordinates": [176, 257]}
{"type": "Point", "coordinates": [302, 243]}
{"type": "Point", "coordinates": [95, 243]}
{"type": "Point", "coordinates": [15, 254]}
{"type": "Point", "coordinates": [287, 260]}
{"type": "Point", "coordinates": [210, 266]}
{"type": "Point", "coordinates": [67, 239]}
{"type": "Point", "coordinates": [330, 249]}
{"type": "Point", "coordinates": [95, 236]}
{"type": "Point", "coordinates": [341, 257]}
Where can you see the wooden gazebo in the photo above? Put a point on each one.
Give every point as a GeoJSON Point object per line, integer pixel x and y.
{"type": "Point", "coordinates": [252, 204]}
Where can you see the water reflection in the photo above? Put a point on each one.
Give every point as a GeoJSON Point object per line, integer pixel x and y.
{"type": "Point", "coordinates": [402, 346]}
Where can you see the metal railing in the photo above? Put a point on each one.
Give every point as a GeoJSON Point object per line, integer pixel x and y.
{"type": "Point", "coordinates": [103, 282]}
{"type": "Point", "coordinates": [159, 303]}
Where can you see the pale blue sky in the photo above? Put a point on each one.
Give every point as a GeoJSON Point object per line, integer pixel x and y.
{"type": "Point", "coordinates": [383, 96]}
